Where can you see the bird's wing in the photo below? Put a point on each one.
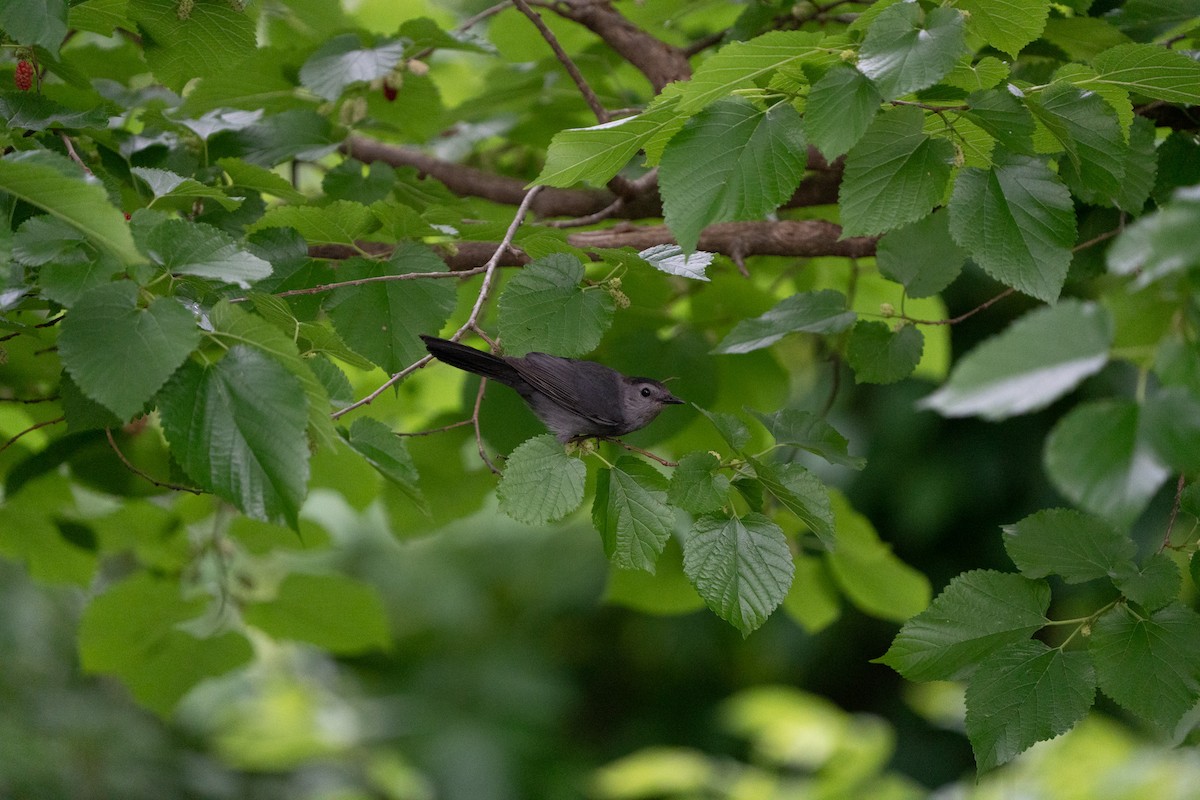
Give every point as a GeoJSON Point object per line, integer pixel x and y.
{"type": "Point", "coordinates": [583, 387]}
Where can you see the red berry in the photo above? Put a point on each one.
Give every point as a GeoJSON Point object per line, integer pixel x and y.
{"type": "Point", "coordinates": [389, 91]}
{"type": "Point", "coordinates": [128, 216]}
{"type": "Point", "coordinates": [24, 75]}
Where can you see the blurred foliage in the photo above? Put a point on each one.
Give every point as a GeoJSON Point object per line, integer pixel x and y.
{"type": "Point", "coordinates": [358, 618]}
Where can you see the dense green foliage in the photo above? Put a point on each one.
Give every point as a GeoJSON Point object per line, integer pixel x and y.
{"type": "Point", "coordinates": [229, 224]}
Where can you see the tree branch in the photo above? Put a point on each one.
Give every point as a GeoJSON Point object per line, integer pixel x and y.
{"type": "Point", "coordinates": [800, 238]}
{"type": "Point", "coordinates": [660, 62]}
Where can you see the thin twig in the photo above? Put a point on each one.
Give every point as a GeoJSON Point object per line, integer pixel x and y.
{"type": "Point", "coordinates": [489, 277]}
{"type": "Point", "coordinates": [955, 320]}
{"type": "Point", "coordinates": [129, 466]}
{"type": "Point", "coordinates": [407, 276]}
{"type": "Point", "coordinates": [646, 453]}
{"type": "Point", "coordinates": [1166, 542]}
{"type": "Point", "coordinates": [432, 431]}
{"type": "Point", "coordinates": [590, 219]}
{"type": "Point", "coordinates": [588, 95]}
{"type": "Point", "coordinates": [29, 401]}
{"type": "Point", "coordinates": [31, 429]}
{"type": "Point", "coordinates": [478, 433]}
{"type": "Point", "coordinates": [75, 156]}
{"type": "Point", "coordinates": [1097, 239]}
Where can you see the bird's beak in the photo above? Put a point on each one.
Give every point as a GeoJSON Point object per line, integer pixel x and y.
{"type": "Point", "coordinates": [671, 399]}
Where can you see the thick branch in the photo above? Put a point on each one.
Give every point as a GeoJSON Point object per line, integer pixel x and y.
{"type": "Point", "coordinates": [820, 187]}
{"type": "Point", "coordinates": [660, 62]}
{"type": "Point", "coordinates": [800, 238]}
{"type": "Point", "coordinates": [738, 240]}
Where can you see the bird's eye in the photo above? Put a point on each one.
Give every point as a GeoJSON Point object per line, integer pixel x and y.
{"type": "Point", "coordinates": [645, 391]}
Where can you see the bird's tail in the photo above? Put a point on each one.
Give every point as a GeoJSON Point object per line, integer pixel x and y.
{"type": "Point", "coordinates": [470, 359]}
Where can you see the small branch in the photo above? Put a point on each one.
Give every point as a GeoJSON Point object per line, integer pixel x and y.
{"type": "Point", "coordinates": [74, 156]}
{"type": "Point", "coordinates": [1175, 506]}
{"type": "Point", "coordinates": [478, 433]}
{"type": "Point", "coordinates": [590, 219]}
{"type": "Point", "coordinates": [30, 401]}
{"type": "Point", "coordinates": [129, 466]}
{"type": "Point", "coordinates": [581, 83]}
{"type": "Point", "coordinates": [30, 429]}
{"type": "Point", "coordinates": [431, 431]}
{"type": "Point", "coordinates": [489, 276]}
{"type": "Point", "coordinates": [1097, 239]}
{"type": "Point", "coordinates": [407, 276]}
{"type": "Point", "coordinates": [961, 317]}
{"type": "Point", "coordinates": [646, 453]}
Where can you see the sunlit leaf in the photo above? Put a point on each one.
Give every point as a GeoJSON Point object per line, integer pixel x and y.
{"type": "Point", "coordinates": [1039, 358]}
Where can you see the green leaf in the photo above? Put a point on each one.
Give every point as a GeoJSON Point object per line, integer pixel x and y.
{"type": "Point", "coordinates": [132, 631]}
{"type": "Point", "coordinates": [742, 567]}
{"type": "Point", "coordinates": [1003, 117]}
{"type": "Point", "coordinates": [383, 320]}
{"type": "Point", "coordinates": [597, 153]}
{"type": "Point", "coordinates": [921, 256]}
{"type": "Point", "coordinates": [800, 492]}
{"type": "Point", "coordinates": [35, 112]}
{"type": "Point", "coordinates": [193, 248]}
{"type": "Point", "coordinates": [1017, 221]}
{"type": "Point", "coordinates": [343, 60]}
{"type": "Point", "coordinates": [696, 484]}
{"type": "Point", "coordinates": [812, 599]}
{"type": "Point", "coordinates": [732, 429]}
{"type": "Point", "coordinates": [806, 430]}
{"type": "Point", "coordinates": [1007, 26]}
{"type": "Point", "coordinates": [665, 591]}
{"type": "Point", "coordinates": [1058, 541]}
{"type": "Point", "coordinates": [299, 133]}
{"type": "Point", "coordinates": [212, 40]}
{"type": "Point", "coordinates": [1087, 128]}
{"type": "Point", "coordinates": [973, 75]}
{"type": "Point", "coordinates": [1149, 665]}
{"type": "Point", "coordinates": [978, 613]}
{"type": "Point", "coordinates": [807, 312]}
{"type": "Point", "coordinates": [1082, 38]}
{"type": "Point", "coordinates": [256, 82]}
{"type": "Point", "coordinates": [235, 326]}
{"type": "Point", "coordinates": [1155, 585]}
{"type": "Point", "coordinates": [671, 259]}
{"type": "Point", "coordinates": [120, 354]}
{"type": "Point", "coordinates": [541, 483]}
{"type": "Point", "coordinates": [339, 222]}
{"type": "Point", "coordinates": [259, 179]}
{"type": "Point", "coordinates": [741, 65]}
{"type": "Point", "coordinates": [336, 613]}
{"type": "Point", "coordinates": [388, 454]}
{"type": "Point", "coordinates": [1096, 459]}
{"type": "Point", "coordinates": [869, 573]}
{"type": "Point", "coordinates": [730, 162]}
{"type": "Point", "coordinates": [1141, 166]}
{"type": "Point", "coordinates": [878, 354]}
{"type": "Point", "coordinates": [45, 239]}
{"type": "Point", "coordinates": [894, 175]}
{"type": "Point", "coordinates": [631, 513]}
{"type": "Point", "coordinates": [546, 308]}
{"type": "Point", "coordinates": [1170, 425]}
{"type": "Point", "coordinates": [51, 182]}
{"type": "Point", "coordinates": [1037, 360]}
{"type": "Point", "coordinates": [35, 22]}
{"type": "Point", "coordinates": [172, 191]}
{"type": "Point", "coordinates": [906, 49]}
{"type": "Point", "coordinates": [840, 107]}
{"type": "Point", "coordinates": [1025, 693]}
{"type": "Point", "coordinates": [99, 16]}
{"type": "Point", "coordinates": [1151, 70]}
{"type": "Point", "coordinates": [1161, 243]}
{"type": "Point", "coordinates": [236, 427]}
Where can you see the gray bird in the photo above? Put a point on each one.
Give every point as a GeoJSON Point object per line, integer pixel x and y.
{"type": "Point", "coordinates": [574, 399]}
